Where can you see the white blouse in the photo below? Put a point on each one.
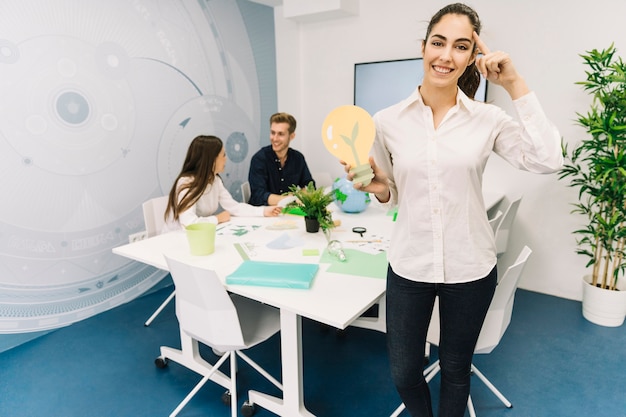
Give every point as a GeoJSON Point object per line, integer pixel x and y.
{"type": "Point", "coordinates": [203, 211]}
{"type": "Point", "coordinates": [442, 232]}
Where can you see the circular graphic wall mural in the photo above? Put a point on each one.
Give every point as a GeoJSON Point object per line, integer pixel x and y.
{"type": "Point", "coordinates": [96, 119]}
{"type": "Point", "coordinates": [222, 118]}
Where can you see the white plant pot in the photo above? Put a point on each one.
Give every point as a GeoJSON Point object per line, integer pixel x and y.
{"type": "Point", "coordinates": [603, 307]}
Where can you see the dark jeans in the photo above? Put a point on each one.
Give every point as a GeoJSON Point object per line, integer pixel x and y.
{"type": "Point", "coordinates": [462, 311]}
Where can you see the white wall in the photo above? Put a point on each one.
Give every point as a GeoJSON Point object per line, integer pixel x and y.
{"type": "Point", "coordinates": [315, 62]}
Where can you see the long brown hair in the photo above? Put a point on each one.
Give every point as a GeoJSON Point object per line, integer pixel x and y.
{"type": "Point", "coordinates": [470, 79]}
{"type": "Point", "coordinates": [199, 166]}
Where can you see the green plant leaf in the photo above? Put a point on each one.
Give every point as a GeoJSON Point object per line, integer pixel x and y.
{"type": "Point", "coordinates": [596, 166]}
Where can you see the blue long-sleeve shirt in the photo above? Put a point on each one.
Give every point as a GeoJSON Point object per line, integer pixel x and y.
{"type": "Point", "coordinates": [267, 177]}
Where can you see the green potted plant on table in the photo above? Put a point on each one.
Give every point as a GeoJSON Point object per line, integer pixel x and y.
{"type": "Point", "coordinates": [313, 203]}
{"type": "Point", "coordinates": [596, 167]}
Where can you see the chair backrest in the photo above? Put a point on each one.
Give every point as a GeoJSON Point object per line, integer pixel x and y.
{"type": "Point", "coordinates": [204, 309]}
{"type": "Point", "coordinates": [501, 307]}
{"type": "Point", "coordinates": [502, 232]}
{"type": "Point", "coordinates": [491, 212]}
{"type": "Point", "coordinates": [245, 191]}
{"type": "Point", "coordinates": [500, 310]}
{"type": "Point", "coordinates": [495, 221]}
{"type": "Point", "coordinates": [153, 212]}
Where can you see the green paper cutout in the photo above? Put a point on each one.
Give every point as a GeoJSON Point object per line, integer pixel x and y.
{"type": "Point", "coordinates": [358, 263]}
{"type": "Point", "coordinates": [294, 210]}
{"type": "Point", "coordinates": [241, 252]}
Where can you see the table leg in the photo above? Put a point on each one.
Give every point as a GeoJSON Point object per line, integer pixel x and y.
{"type": "Point", "coordinates": [292, 404]}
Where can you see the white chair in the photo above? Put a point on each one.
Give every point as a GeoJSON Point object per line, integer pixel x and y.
{"type": "Point", "coordinates": [495, 221]}
{"type": "Point", "coordinates": [227, 323]}
{"type": "Point", "coordinates": [496, 322]}
{"type": "Point", "coordinates": [154, 220]}
{"type": "Point", "coordinates": [245, 191]}
{"type": "Point", "coordinates": [153, 212]}
{"type": "Point", "coordinates": [502, 231]}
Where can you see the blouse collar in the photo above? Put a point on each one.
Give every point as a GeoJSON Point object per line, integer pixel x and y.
{"type": "Point", "coordinates": [462, 100]}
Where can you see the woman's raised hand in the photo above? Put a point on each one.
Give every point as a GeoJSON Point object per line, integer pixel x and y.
{"type": "Point", "coordinates": [498, 68]}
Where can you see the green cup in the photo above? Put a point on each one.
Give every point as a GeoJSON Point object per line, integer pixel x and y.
{"type": "Point", "coordinates": [201, 237]}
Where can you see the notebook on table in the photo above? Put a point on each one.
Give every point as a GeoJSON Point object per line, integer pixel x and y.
{"type": "Point", "coordinates": [273, 274]}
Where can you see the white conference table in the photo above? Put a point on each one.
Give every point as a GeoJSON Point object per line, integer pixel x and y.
{"type": "Point", "coordinates": [335, 299]}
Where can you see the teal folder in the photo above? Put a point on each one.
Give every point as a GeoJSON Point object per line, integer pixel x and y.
{"type": "Point", "coordinates": [273, 274]}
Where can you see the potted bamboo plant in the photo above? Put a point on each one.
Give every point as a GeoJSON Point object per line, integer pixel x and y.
{"type": "Point", "coordinates": [313, 203]}
{"type": "Point", "coordinates": [596, 167]}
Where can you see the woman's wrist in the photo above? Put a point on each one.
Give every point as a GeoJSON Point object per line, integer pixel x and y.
{"type": "Point", "coordinates": [517, 88]}
{"type": "Point", "coordinates": [383, 197]}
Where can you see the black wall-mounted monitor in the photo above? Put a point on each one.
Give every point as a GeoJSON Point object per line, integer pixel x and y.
{"type": "Point", "coordinates": [380, 84]}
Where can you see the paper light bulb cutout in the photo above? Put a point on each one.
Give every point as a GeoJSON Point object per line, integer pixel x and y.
{"type": "Point", "coordinates": [335, 248]}
{"type": "Point", "coordinates": [348, 133]}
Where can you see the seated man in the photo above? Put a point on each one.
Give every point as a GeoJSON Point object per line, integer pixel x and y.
{"type": "Point", "coordinates": [275, 167]}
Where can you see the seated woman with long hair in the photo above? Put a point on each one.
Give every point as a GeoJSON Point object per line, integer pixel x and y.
{"type": "Point", "coordinates": [198, 191]}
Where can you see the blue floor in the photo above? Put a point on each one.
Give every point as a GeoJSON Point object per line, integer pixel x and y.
{"type": "Point", "coordinates": [550, 363]}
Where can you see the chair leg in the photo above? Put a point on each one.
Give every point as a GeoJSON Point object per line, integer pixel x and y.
{"type": "Point", "coordinates": [399, 410]}
{"type": "Point", "coordinates": [233, 384]}
{"type": "Point", "coordinates": [470, 406]}
{"type": "Point", "coordinates": [260, 370]}
{"type": "Point", "coordinates": [200, 384]}
{"type": "Point", "coordinates": [492, 387]}
{"type": "Point", "coordinates": [161, 307]}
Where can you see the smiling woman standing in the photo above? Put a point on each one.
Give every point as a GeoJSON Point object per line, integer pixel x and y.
{"type": "Point", "coordinates": [431, 150]}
